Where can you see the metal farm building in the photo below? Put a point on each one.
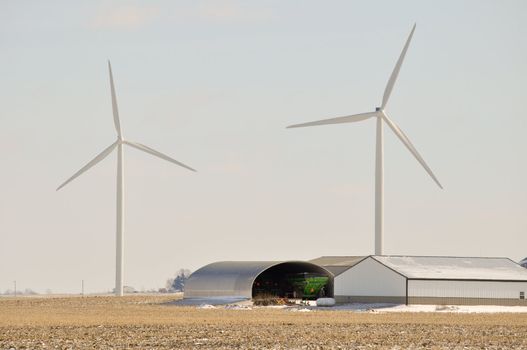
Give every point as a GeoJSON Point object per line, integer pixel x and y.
{"type": "Point", "coordinates": [367, 279]}
{"type": "Point", "coordinates": [427, 280]}
{"type": "Point", "coordinates": [249, 279]}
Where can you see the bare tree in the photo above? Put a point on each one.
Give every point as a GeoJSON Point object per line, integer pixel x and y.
{"type": "Point", "coordinates": [177, 284]}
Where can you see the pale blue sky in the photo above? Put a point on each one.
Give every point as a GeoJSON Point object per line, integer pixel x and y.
{"type": "Point", "coordinates": [213, 84]}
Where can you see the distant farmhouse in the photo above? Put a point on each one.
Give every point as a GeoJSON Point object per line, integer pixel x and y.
{"type": "Point", "coordinates": [368, 279]}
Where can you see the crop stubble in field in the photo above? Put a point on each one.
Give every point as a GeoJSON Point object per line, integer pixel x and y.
{"type": "Point", "coordinates": [146, 322]}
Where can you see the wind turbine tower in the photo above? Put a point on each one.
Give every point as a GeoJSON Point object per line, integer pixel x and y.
{"type": "Point", "coordinates": [381, 116]}
{"type": "Point", "coordinates": [119, 143]}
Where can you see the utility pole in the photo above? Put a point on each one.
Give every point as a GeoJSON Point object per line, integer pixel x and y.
{"type": "Point", "coordinates": [82, 293]}
{"type": "Point", "coordinates": [15, 287]}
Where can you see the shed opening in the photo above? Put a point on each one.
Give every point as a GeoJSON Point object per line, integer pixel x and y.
{"type": "Point", "coordinates": [293, 280]}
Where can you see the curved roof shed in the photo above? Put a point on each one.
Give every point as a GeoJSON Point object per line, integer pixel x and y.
{"type": "Point", "coordinates": [236, 278]}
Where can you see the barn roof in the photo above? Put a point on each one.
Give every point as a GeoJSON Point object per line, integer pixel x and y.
{"type": "Point", "coordinates": [455, 268]}
{"type": "Point", "coordinates": [337, 264]}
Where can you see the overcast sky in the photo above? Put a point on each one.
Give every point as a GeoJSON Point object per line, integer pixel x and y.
{"type": "Point", "coordinates": [213, 84]}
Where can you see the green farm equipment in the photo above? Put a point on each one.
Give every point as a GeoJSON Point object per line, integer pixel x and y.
{"type": "Point", "coordinates": [309, 287]}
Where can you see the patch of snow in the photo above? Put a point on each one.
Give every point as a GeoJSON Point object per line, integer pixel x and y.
{"type": "Point", "coordinates": [428, 308]}
{"type": "Point", "coordinates": [206, 306]}
{"type": "Point", "coordinates": [359, 307]}
{"type": "Point", "coordinates": [446, 308]}
{"type": "Point", "coordinates": [301, 310]}
{"type": "Point", "coordinates": [237, 307]}
{"type": "Point", "coordinates": [275, 306]}
{"type": "Point", "coordinates": [209, 300]}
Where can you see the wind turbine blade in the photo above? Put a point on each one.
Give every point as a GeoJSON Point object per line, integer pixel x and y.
{"type": "Point", "coordinates": [115, 110]}
{"type": "Point", "coordinates": [395, 73]}
{"type": "Point", "coordinates": [152, 151]}
{"type": "Point", "coordinates": [339, 120]}
{"type": "Point", "coordinates": [406, 141]}
{"type": "Point", "coordinates": [92, 162]}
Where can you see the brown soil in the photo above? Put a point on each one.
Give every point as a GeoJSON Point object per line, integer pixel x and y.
{"type": "Point", "coordinates": [146, 322]}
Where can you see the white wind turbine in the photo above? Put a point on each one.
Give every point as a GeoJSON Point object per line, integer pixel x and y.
{"type": "Point", "coordinates": [381, 116]}
{"type": "Point", "coordinates": [120, 185]}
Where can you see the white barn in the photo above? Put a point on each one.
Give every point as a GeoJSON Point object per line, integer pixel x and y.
{"type": "Point", "coordinates": [427, 280]}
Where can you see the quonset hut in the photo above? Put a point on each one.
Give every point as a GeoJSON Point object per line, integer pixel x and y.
{"type": "Point", "coordinates": [249, 279]}
{"type": "Point", "coordinates": [367, 279]}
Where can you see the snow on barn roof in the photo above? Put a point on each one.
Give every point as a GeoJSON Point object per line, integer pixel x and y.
{"type": "Point", "coordinates": [430, 267]}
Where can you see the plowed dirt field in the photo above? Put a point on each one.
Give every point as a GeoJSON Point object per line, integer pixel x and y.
{"type": "Point", "coordinates": [147, 322]}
